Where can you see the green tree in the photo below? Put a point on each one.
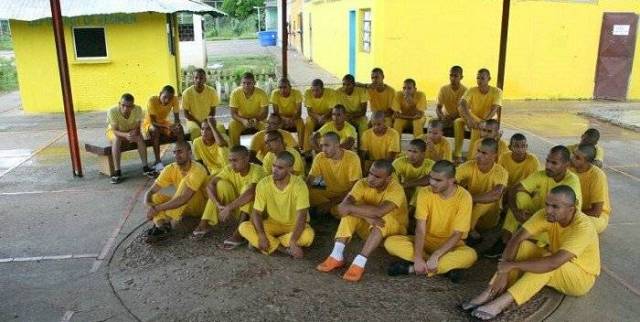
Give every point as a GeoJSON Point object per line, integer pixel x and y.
{"type": "Point", "coordinates": [241, 9]}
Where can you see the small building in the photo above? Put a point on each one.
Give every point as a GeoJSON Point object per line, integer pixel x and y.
{"type": "Point", "coordinates": [113, 47]}
{"type": "Point", "coordinates": [556, 49]}
{"type": "Point", "coordinates": [193, 50]}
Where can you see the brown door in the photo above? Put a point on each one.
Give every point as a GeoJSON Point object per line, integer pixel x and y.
{"type": "Point", "coordinates": [615, 55]}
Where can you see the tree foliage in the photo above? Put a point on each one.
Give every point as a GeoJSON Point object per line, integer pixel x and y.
{"type": "Point", "coordinates": [241, 9]}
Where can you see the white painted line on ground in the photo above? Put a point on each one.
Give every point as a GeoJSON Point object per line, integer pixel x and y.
{"type": "Point", "coordinates": [67, 316]}
{"type": "Point", "coordinates": [58, 137]}
{"type": "Point", "coordinates": [621, 281]}
{"type": "Point", "coordinates": [45, 258]}
{"type": "Point", "coordinates": [53, 191]}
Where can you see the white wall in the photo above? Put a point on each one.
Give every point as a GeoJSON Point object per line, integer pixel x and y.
{"type": "Point", "coordinates": [193, 53]}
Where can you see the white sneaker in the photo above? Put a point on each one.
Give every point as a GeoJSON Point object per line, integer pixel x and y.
{"type": "Point", "coordinates": [158, 166]}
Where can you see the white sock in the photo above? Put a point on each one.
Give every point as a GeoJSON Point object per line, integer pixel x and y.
{"type": "Point", "coordinates": [338, 250]}
{"type": "Point", "coordinates": [360, 261]}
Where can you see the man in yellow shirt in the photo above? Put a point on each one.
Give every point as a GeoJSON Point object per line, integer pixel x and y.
{"type": "Point", "coordinates": [477, 104]}
{"type": "Point", "coordinates": [338, 125]}
{"type": "Point", "coordinates": [438, 148]}
{"type": "Point", "coordinates": [486, 181]}
{"type": "Point", "coordinates": [570, 263]}
{"type": "Point", "coordinates": [594, 186]}
{"type": "Point", "coordinates": [123, 125]}
{"type": "Point", "coordinates": [258, 146]}
{"type": "Point", "coordinates": [379, 142]}
{"type": "Point", "coordinates": [333, 172]}
{"type": "Point", "coordinates": [489, 129]}
{"type": "Point", "coordinates": [287, 102]}
{"type": "Point", "coordinates": [275, 144]}
{"type": "Point", "coordinates": [249, 108]}
{"type": "Point", "coordinates": [188, 178]}
{"type": "Point", "coordinates": [449, 98]}
{"type": "Point", "coordinates": [442, 216]}
{"type": "Point", "coordinates": [354, 99]}
{"type": "Point", "coordinates": [156, 123]}
{"type": "Point", "coordinates": [231, 193]}
{"type": "Point", "coordinates": [319, 102]}
{"type": "Point", "coordinates": [280, 212]}
{"type": "Point", "coordinates": [518, 162]}
{"type": "Point", "coordinates": [211, 148]}
{"type": "Point", "coordinates": [409, 107]}
{"type": "Point", "coordinates": [381, 96]}
{"type": "Point", "coordinates": [591, 136]}
{"type": "Point", "coordinates": [413, 169]}
{"type": "Point", "coordinates": [199, 101]}
{"type": "Point", "coordinates": [374, 209]}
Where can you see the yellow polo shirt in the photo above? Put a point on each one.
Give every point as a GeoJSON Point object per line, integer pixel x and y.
{"type": "Point", "coordinates": [475, 181]}
{"type": "Point", "coordinates": [519, 171]}
{"type": "Point", "coordinates": [287, 106]}
{"type": "Point", "coordinates": [594, 188]}
{"type": "Point", "coordinates": [117, 121]}
{"type": "Point", "coordinates": [239, 182]}
{"type": "Point", "coordinates": [200, 104]}
{"type": "Point", "coordinates": [450, 99]}
{"type": "Point", "coordinates": [270, 158]}
{"type": "Point", "coordinates": [407, 172]}
{"type": "Point", "coordinates": [379, 146]}
{"type": "Point", "coordinates": [249, 107]}
{"type": "Point", "coordinates": [348, 131]}
{"type": "Point", "coordinates": [400, 105]}
{"type": "Point", "coordinates": [394, 193]}
{"type": "Point", "coordinates": [195, 178]}
{"type": "Point", "coordinates": [352, 103]}
{"type": "Point", "coordinates": [480, 104]}
{"type": "Point", "coordinates": [337, 174]}
{"type": "Point", "coordinates": [161, 112]}
{"type": "Point", "coordinates": [214, 157]}
{"type": "Point", "coordinates": [444, 216]}
{"type": "Point", "coordinates": [260, 147]}
{"type": "Point", "coordinates": [282, 205]}
{"type": "Point", "coordinates": [323, 104]}
{"type": "Point", "coordinates": [381, 101]}
{"type": "Point", "coordinates": [579, 238]}
{"type": "Point", "coordinates": [442, 148]}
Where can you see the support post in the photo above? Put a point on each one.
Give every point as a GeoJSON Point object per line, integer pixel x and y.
{"type": "Point", "coordinates": [504, 35]}
{"type": "Point", "coordinates": [285, 40]}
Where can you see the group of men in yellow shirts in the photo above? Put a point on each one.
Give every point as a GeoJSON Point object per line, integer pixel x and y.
{"type": "Point", "coordinates": [268, 194]}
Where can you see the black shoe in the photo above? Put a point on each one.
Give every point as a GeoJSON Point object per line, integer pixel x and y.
{"type": "Point", "coordinates": [399, 268]}
{"type": "Point", "coordinates": [155, 234]}
{"type": "Point", "coordinates": [116, 177]}
{"type": "Point", "coordinates": [473, 241]}
{"type": "Point", "coordinates": [151, 173]}
{"type": "Point", "coordinates": [495, 251]}
{"type": "Point", "coordinates": [455, 275]}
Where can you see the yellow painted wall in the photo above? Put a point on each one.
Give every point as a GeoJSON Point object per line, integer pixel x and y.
{"type": "Point", "coordinates": [138, 62]}
{"type": "Point", "coordinates": [552, 52]}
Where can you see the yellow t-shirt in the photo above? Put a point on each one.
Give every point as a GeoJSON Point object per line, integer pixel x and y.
{"type": "Point", "coordinates": [282, 205]}
{"type": "Point", "coordinates": [249, 107]}
{"type": "Point", "coordinates": [323, 104]}
{"type": "Point", "coordinates": [519, 171]}
{"type": "Point", "coordinates": [337, 174]}
{"type": "Point", "coordinates": [117, 121]}
{"type": "Point", "coordinates": [405, 171]}
{"type": "Point", "coordinates": [594, 188]}
{"type": "Point", "coordinates": [539, 184]}
{"type": "Point", "coordinates": [394, 193]}
{"type": "Point", "coordinates": [348, 131]}
{"type": "Point", "coordinates": [378, 147]}
{"type": "Point", "coordinates": [200, 105]}
{"type": "Point", "coordinates": [400, 105]}
{"type": "Point", "coordinates": [503, 147]}
{"type": "Point", "coordinates": [270, 158]}
{"type": "Point", "coordinates": [450, 99]}
{"type": "Point", "coordinates": [240, 183]}
{"type": "Point", "coordinates": [214, 157]}
{"type": "Point", "coordinates": [287, 106]}
{"type": "Point", "coordinates": [442, 148]}
{"type": "Point", "coordinates": [475, 181]}
{"type": "Point", "coordinates": [195, 178]}
{"type": "Point", "coordinates": [161, 112]}
{"type": "Point", "coordinates": [480, 104]}
{"type": "Point", "coordinates": [352, 103]}
{"type": "Point", "coordinates": [579, 238]}
{"type": "Point", "coordinates": [599, 151]}
{"type": "Point", "coordinates": [258, 144]}
{"type": "Point", "coordinates": [381, 101]}
{"type": "Point", "coordinates": [444, 216]}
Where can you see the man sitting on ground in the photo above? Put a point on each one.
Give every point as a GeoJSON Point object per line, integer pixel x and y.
{"type": "Point", "coordinates": [438, 147]}
{"type": "Point", "coordinates": [258, 147]}
{"type": "Point", "coordinates": [374, 209]}
{"type": "Point", "coordinates": [413, 169]}
{"type": "Point", "coordinates": [443, 214]}
{"type": "Point", "coordinates": [591, 136]}
{"type": "Point", "coordinates": [594, 186]}
{"type": "Point", "coordinates": [379, 142]}
{"type": "Point", "coordinates": [211, 148]}
{"type": "Point", "coordinates": [276, 145]}
{"type": "Point", "coordinates": [123, 125]}
{"type": "Point", "coordinates": [188, 178]}
{"type": "Point", "coordinates": [338, 125]}
{"type": "Point", "coordinates": [570, 263]}
{"type": "Point", "coordinates": [489, 129]}
{"type": "Point", "coordinates": [280, 212]}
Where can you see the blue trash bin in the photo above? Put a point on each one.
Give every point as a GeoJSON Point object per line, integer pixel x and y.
{"type": "Point", "coordinates": [267, 38]}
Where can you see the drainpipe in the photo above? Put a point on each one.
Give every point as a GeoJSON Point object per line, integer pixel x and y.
{"type": "Point", "coordinates": [63, 69]}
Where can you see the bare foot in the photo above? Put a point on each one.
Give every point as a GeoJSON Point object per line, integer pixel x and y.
{"type": "Point", "coordinates": [484, 297]}
{"type": "Point", "coordinates": [494, 308]}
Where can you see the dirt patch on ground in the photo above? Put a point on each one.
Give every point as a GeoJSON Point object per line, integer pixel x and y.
{"type": "Point", "coordinates": [186, 280]}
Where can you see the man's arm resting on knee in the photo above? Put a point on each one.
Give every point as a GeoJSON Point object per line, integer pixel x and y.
{"type": "Point", "coordinates": [176, 202]}
{"type": "Point", "coordinates": [348, 143]}
{"type": "Point", "coordinates": [451, 242]}
{"type": "Point", "coordinates": [420, 182]}
{"type": "Point", "coordinates": [244, 197]}
{"type": "Point", "coordinates": [595, 210]}
{"type": "Point", "coordinates": [236, 116]}
{"type": "Point", "coordinates": [464, 111]}
{"type": "Point", "coordinates": [348, 206]}
{"type": "Point", "coordinates": [521, 215]}
{"type": "Point", "coordinates": [301, 223]}
{"type": "Point", "coordinates": [188, 116]}
{"type": "Point", "coordinates": [540, 265]}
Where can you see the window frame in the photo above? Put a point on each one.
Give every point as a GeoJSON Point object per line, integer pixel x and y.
{"type": "Point", "coordinates": [75, 43]}
{"type": "Point", "coordinates": [364, 32]}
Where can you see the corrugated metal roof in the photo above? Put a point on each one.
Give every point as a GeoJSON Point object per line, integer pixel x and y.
{"type": "Point", "coordinates": [30, 10]}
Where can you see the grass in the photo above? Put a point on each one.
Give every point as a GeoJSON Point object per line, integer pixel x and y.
{"type": "Point", "coordinates": [258, 64]}
{"type": "Point", "coordinates": [8, 75]}
{"type": "Point", "coordinates": [226, 28]}
{"type": "Point", "coordinates": [5, 43]}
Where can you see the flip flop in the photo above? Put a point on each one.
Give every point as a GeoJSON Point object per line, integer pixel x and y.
{"type": "Point", "coordinates": [200, 234]}
{"type": "Point", "coordinates": [468, 306]}
{"type": "Point", "coordinates": [482, 315]}
{"type": "Point", "coordinates": [230, 244]}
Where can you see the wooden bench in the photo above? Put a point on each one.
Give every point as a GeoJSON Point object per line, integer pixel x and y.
{"type": "Point", "coordinates": [102, 148]}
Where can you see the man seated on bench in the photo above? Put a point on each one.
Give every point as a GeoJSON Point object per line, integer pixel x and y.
{"type": "Point", "coordinates": [123, 125]}
{"type": "Point", "coordinates": [249, 108]}
{"type": "Point", "coordinates": [156, 123]}
{"type": "Point", "coordinates": [199, 101]}
{"type": "Point", "coordinates": [188, 178]}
